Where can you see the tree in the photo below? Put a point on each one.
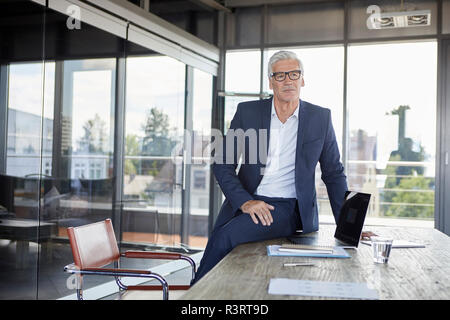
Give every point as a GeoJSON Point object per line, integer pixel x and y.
{"type": "Point", "coordinates": [95, 138]}
{"type": "Point", "coordinates": [407, 191]}
{"type": "Point", "coordinates": [156, 141]}
{"type": "Point", "coordinates": [131, 149]}
{"type": "Point", "coordinates": [156, 134]}
{"type": "Point", "coordinates": [418, 194]}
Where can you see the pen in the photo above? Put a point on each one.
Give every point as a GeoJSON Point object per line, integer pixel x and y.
{"type": "Point", "coordinates": [299, 264]}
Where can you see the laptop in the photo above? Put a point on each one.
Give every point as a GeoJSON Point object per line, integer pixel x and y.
{"type": "Point", "coordinates": [348, 229]}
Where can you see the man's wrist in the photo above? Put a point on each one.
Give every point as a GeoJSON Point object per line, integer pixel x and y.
{"type": "Point", "coordinates": [240, 200]}
{"type": "Point", "coordinates": [242, 206]}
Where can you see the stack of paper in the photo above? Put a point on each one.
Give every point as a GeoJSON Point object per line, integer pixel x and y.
{"type": "Point", "coordinates": [337, 252]}
{"type": "Point", "coordinates": [303, 248]}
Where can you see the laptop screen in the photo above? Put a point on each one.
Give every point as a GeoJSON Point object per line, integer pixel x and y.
{"type": "Point", "coordinates": [351, 217]}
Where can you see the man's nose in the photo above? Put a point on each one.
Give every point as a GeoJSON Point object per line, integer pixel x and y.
{"type": "Point", "coordinates": [287, 81]}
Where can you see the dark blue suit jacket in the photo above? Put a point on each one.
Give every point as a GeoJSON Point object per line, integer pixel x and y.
{"type": "Point", "coordinates": [316, 142]}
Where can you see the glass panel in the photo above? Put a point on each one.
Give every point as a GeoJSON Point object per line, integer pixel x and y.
{"type": "Point", "coordinates": [22, 94]}
{"type": "Point", "coordinates": [392, 112]}
{"type": "Point", "coordinates": [243, 71]}
{"type": "Point", "coordinates": [200, 168]}
{"type": "Point", "coordinates": [79, 187]}
{"type": "Point", "coordinates": [323, 69]}
{"type": "Point", "coordinates": [231, 103]}
{"type": "Point", "coordinates": [154, 126]}
{"type": "Point", "coordinates": [26, 83]}
{"type": "Point", "coordinates": [87, 141]}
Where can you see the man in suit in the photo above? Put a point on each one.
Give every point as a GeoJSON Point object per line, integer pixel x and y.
{"type": "Point", "coordinates": [274, 197]}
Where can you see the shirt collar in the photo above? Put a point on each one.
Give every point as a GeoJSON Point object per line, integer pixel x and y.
{"type": "Point", "coordinates": [274, 113]}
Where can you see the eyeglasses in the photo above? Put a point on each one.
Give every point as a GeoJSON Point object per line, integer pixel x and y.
{"type": "Point", "coordinates": [280, 76]}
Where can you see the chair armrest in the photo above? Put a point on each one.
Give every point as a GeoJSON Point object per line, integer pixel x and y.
{"type": "Point", "coordinates": [151, 255]}
{"type": "Point", "coordinates": [117, 272]}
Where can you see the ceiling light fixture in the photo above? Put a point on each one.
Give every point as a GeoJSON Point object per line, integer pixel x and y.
{"type": "Point", "coordinates": [400, 19]}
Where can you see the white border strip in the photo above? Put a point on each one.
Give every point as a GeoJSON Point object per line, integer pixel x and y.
{"type": "Point", "coordinates": [153, 42]}
{"type": "Point", "coordinates": [92, 16]}
{"type": "Point", "coordinates": [41, 2]}
{"type": "Point", "coordinates": [111, 287]}
{"type": "Point", "coordinates": [203, 64]}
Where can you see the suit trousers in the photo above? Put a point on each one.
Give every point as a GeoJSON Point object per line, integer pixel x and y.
{"type": "Point", "coordinates": [241, 229]}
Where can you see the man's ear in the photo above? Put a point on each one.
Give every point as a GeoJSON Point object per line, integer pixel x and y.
{"type": "Point", "coordinates": [303, 82]}
{"type": "Point", "coordinates": [270, 84]}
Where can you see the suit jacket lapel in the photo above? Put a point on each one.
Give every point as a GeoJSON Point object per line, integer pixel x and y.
{"type": "Point", "coordinates": [266, 116]}
{"type": "Point", "coordinates": [301, 132]}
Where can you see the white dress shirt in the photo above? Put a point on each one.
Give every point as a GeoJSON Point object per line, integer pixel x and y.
{"type": "Point", "coordinates": [279, 175]}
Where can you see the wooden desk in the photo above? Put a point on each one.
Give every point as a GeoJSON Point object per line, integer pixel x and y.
{"type": "Point", "coordinates": [416, 273]}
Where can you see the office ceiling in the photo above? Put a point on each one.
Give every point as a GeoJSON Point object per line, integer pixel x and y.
{"type": "Point", "coordinates": [172, 6]}
{"type": "Point", "coordinates": [176, 6]}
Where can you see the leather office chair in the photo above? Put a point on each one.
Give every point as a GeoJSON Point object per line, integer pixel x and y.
{"type": "Point", "coordinates": [94, 246]}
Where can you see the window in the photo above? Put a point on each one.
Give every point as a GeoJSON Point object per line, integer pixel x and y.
{"type": "Point", "coordinates": [199, 192]}
{"type": "Point", "coordinates": [154, 126]}
{"type": "Point", "coordinates": [392, 129]}
{"type": "Point", "coordinates": [89, 87]}
{"type": "Point", "coordinates": [27, 104]}
{"type": "Point", "coordinates": [199, 179]}
{"type": "Point", "coordinates": [243, 71]}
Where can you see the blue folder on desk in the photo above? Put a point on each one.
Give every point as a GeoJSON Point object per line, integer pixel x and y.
{"type": "Point", "coordinates": [338, 252]}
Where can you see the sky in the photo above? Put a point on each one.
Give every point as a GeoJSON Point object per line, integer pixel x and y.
{"type": "Point", "coordinates": [25, 88]}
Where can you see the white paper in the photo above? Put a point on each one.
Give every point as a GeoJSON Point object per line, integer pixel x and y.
{"type": "Point", "coordinates": [350, 290]}
{"type": "Point", "coordinates": [400, 244]}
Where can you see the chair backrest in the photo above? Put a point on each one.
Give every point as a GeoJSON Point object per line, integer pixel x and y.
{"type": "Point", "coordinates": [93, 245]}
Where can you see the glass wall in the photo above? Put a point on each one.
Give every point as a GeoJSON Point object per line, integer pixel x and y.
{"type": "Point", "coordinates": [154, 123]}
{"type": "Point", "coordinates": [62, 94]}
{"type": "Point", "coordinates": [26, 103]}
{"type": "Point", "coordinates": [339, 74]}
{"type": "Point", "coordinates": [392, 126]}
{"type": "Point", "coordinates": [390, 112]}
{"type": "Point", "coordinates": [78, 188]}
{"type": "Point", "coordinates": [242, 76]}
{"type": "Point", "coordinates": [156, 163]}
{"type": "Point", "coordinates": [243, 71]}
{"type": "Point", "coordinates": [22, 106]}
{"type": "Point", "coordinates": [200, 168]}
{"type": "Point", "coordinates": [87, 133]}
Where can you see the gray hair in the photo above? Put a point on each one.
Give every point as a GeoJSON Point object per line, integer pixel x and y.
{"type": "Point", "coordinates": [283, 55]}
